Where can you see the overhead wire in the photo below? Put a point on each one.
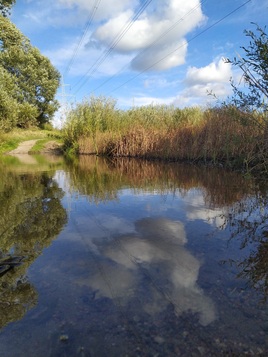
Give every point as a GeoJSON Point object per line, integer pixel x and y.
{"type": "Point", "coordinates": [178, 48]}
{"type": "Point", "coordinates": [155, 41]}
{"type": "Point", "coordinates": [112, 45]}
{"type": "Point", "coordinates": [89, 21]}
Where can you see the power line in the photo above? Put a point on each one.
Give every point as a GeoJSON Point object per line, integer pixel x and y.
{"type": "Point", "coordinates": [112, 45]}
{"type": "Point", "coordinates": [92, 14]}
{"type": "Point", "coordinates": [154, 42]}
{"type": "Point", "coordinates": [193, 38]}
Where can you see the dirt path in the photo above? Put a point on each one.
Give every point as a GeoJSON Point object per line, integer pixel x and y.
{"type": "Point", "coordinates": [51, 147]}
{"type": "Point", "coordinates": [24, 147]}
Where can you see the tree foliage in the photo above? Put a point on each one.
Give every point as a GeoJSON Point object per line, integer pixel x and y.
{"type": "Point", "coordinates": [12, 112]}
{"type": "Point", "coordinates": [254, 66]}
{"type": "Point", "coordinates": [31, 216]}
{"type": "Point", "coordinates": [29, 81]}
{"type": "Point", "coordinates": [5, 6]}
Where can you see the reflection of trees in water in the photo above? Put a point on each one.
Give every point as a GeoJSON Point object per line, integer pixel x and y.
{"type": "Point", "coordinates": [243, 203]}
{"type": "Point", "coordinates": [31, 215]}
{"type": "Point", "coordinates": [101, 179]}
{"type": "Point", "coordinates": [248, 222]}
{"type": "Point", "coordinates": [17, 295]}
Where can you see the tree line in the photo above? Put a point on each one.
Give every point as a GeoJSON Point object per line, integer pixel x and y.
{"type": "Point", "coordinates": [28, 80]}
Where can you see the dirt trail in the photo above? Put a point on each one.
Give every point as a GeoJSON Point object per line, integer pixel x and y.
{"type": "Point", "coordinates": [24, 147]}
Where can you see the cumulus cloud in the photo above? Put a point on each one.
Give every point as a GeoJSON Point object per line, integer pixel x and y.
{"type": "Point", "coordinates": [170, 55]}
{"type": "Point", "coordinates": [217, 71]}
{"type": "Point", "coordinates": [213, 78]}
{"type": "Point", "coordinates": [156, 37]}
{"type": "Point", "coordinates": [152, 39]}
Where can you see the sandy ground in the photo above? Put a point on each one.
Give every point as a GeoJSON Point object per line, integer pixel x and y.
{"type": "Point", "coordinates": [23, 147]}
{"type": "Point", "coordinates": [51, 147]}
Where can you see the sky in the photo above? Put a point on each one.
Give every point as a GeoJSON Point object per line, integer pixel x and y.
{"type": "Point", "coordinates": [141, 52]}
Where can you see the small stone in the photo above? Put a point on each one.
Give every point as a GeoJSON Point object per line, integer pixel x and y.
{"type": "Point", "coordinates": [159, 339]}
{"type": "Point", "coordinates": [201, 350]}
{"type": "Point", "coordinates": [64, 337]}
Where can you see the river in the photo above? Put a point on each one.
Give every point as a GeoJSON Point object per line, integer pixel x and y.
{"type": "Point", "coordinates": [130, 258]}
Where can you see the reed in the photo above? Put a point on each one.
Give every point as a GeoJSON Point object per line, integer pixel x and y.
{"type": "Point", "coordinates": [219, 135]}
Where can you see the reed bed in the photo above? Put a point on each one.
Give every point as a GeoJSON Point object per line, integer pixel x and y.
{"type": "Point", "coordinates": [223, 135]}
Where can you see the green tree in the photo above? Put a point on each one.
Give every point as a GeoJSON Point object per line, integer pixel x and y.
{"type": "Point", "coordinates": [13, 113]}
{"type": "Point", "coordinates": [33, 75]}
{"type": "Point", "coordinates": [5, 6]}
{"type": "Point", "coordinates": [8, 103]}
{"type": "Point", "coordinates": [254, 66]}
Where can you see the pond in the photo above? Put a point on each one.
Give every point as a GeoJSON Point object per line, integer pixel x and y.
{"type": "Point", "coordinates": [131, 258]}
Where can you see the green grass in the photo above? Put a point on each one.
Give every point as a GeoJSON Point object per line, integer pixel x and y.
{"type": "Point", "coordinates": [10, 141]}
{"type": "Point", "coordinates": [40, 145]}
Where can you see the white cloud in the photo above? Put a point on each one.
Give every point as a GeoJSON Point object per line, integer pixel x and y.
{"type": "Point", "coordinates": [216, 72]}
{"type": "Point", "coordinates": [162, 44]}
{"type": "Point", "coordinates": [198, 83]}
{"type": "Point", "coordinates": [213, 78]}
{"type": "Point", "coordinates": [156, 40]}
{"type": "Point", "coordinates": [170, 55]}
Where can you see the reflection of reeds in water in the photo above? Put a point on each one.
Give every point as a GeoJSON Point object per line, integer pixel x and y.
{"type": "Point", "coordinates": [240, 201]}
{"type": "Point", "coordinates": [101, 179]}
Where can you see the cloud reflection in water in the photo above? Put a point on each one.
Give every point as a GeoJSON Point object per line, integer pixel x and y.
{"type": "Point", "coordinates": [155, 254]}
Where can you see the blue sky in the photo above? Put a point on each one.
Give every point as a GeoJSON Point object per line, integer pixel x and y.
{"type": "Point", "coordinates": [141, 51]}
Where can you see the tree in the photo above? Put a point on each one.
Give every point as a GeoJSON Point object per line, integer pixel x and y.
{"type": "Point", "coordinates": [254, 66]}
{"type": "Point", "coordinates": [5, 6]}
{"type": "Point", "coordinates": [13, 113]}
{"type": "Point", "coordinates": [34, 77]}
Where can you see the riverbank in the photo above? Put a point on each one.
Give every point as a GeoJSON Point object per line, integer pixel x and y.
{"type": "Point", "coordinates": [223, 135]}
{"type": "Point", "coordinates": [30, 141]}
{"type": "Point", "coordinates": [42, 146]}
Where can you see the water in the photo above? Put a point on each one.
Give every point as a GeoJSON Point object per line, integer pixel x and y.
{"type": "Point", "coordinates": [131, 258]}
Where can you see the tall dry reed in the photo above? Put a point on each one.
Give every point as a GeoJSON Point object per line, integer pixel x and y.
{"type": "Point", "coordinates": [223, 134]}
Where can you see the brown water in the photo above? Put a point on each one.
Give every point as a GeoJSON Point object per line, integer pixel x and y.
{"type": "Point", "coordinates": [131, 258]}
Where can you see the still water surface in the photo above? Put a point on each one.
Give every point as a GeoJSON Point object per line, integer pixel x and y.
{"type": "Point", "coordinates": [131, 258]}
